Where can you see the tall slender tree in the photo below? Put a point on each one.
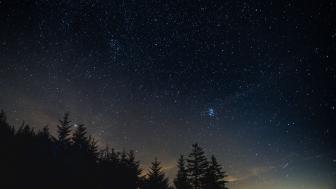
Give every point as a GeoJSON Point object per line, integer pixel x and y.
{"type": "Point", "coordinates": [156, 178]}
{"type": "Point", "coordinates": [197, 166]}
{"type": "Point", "coordinates": [133, 170]}
{"type": "Point", "coordinates": [181, 181]}
{"type": "Point", "coordinates": [64, 131]}
{"type": "Point", "coordinates": [6, 130]}
{"type": "Point", "coordinates": [79, 138]}
{"type": "Point", "coordinates": [82, 144]}
{"type": "Point", "coordinates": [92, 150]}
{"type": "Point", "coordinates": [214, 177]}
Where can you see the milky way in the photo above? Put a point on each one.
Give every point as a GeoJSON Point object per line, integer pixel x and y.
{"type": "Point", "coordinates": [252, 82]}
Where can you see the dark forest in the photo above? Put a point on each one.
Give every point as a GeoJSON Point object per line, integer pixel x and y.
{"type": "Point", "coordinates": [72, 159]}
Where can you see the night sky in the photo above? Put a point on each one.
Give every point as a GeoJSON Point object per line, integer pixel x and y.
{"type": "Point", "coordinates": [253, 82]}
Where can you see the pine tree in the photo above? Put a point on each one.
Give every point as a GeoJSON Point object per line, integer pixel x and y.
{"type": "Point", "coordinates": [133, 164]}
{"type": "Point", "coordinates": [134, 171]}
{"type": "Point", "coordinates": [64, 130]}
{"type": "Point", "coordinates": [83, 145]}
{"type": "Point", "coordinates": [79, 138]}
{"type": "Point", "coordinates": [6, 130]}
{"type": "Point", "coordinates": [197, 166]}
{"type": "Point", "coordinates": [181, 181]}
{"type": "Point", "coordinates": [92, 150]}
{"type": "Point", "coordinates": [214, 177]}
{"type": "Point", "coordinates": [7, 149]}
{"type": "Point", "coordinates": [156, 179]}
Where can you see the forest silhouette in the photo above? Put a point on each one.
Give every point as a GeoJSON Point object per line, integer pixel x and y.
{"type": "Point", "coordinates": [72, 159]}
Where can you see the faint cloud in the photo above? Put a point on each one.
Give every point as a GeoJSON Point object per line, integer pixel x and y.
{"type": "Point", "coordinates": [252, 172]}
{"type": "Point", "coordinates": [231, 178]}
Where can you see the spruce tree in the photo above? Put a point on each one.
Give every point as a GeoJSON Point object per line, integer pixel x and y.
{"type": "Point", "coordinates": [133, 164]}
{"type": "Point", "coordinates": [197, 166]}
{"type": "Point", "coordinates": [133, 170]}
{"type": "Point", "coordinates": [214, 177]}
{"type": "Point", "coordinates": [6, 131]}
{"type": "Point", "coordinates": [79, 138]}
{"type": "Point", "coordinates": [156, 178]}
{"type": "Point", "coordinates": [64, 131]}
{"type": "Point", "coordinates": [181, 181]}
{"type": "Point", "coordinates": [84, 146]}
{"type": "Point", "coordinates": [92, 150]}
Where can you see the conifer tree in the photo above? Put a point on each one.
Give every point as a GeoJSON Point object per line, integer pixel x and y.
{"type": "Point", "coordinates": [133, 164]}
{"type": "Point", "coordinates": [181, 181]}
{"type": "Point", "coordinates": [79, 138]}
{"type": "Point", "coordinates": [81, 143]}
{"type": "Point", "coordinates": [64, 130]}
{"type": "Point", "coordinates": [7, 146]}
{"type": "Point", "coordinates": [133, 170]}
{"type": "Point", "coordinates": [92, 150]}
{"type": "Point", "coordinates": [6, 131]}
{"type": "Point", "coordinates": [214, 177]}
{"type": "Point", "coordinates": [156, 178]}
{"type": "Point", "coordinates": [197, 166]}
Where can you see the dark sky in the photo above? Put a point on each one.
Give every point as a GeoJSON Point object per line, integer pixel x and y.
{"type": "Point", "coordinates": [252, 82]}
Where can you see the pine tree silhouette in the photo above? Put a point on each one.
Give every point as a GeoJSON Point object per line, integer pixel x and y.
{"type": "Point", "coordinates": [7, 158]}
{"type": "Point", "coordinates": [197, 166]}
{"type": "Point", "coordinates": [92, 149]}
{"type": "Point", "coordinates": [79, 138]}
{"type": "Point", "coordinates": [6, 131]}
{"type": "Point", "coordinates": [64, 130]}
{"type": "Point", "coordinates": [214, 177]}
{"type": "Point", "coordinates": [82, 157]}
{"type": "Point", "coordinates": [181, 181]}
{"type": "Point", "coordinates": [134, 171]}
{"type": "Point", "coordinates": [84, 146]}
{"type": "Point", "coordinates": [156, 179]}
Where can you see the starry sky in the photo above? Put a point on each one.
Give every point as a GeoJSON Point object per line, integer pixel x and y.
{"type": "Point", "coordinates": [252, 82]}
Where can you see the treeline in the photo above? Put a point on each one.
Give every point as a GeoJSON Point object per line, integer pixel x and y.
{"type": "Point", "coordinates": [72, 159]}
